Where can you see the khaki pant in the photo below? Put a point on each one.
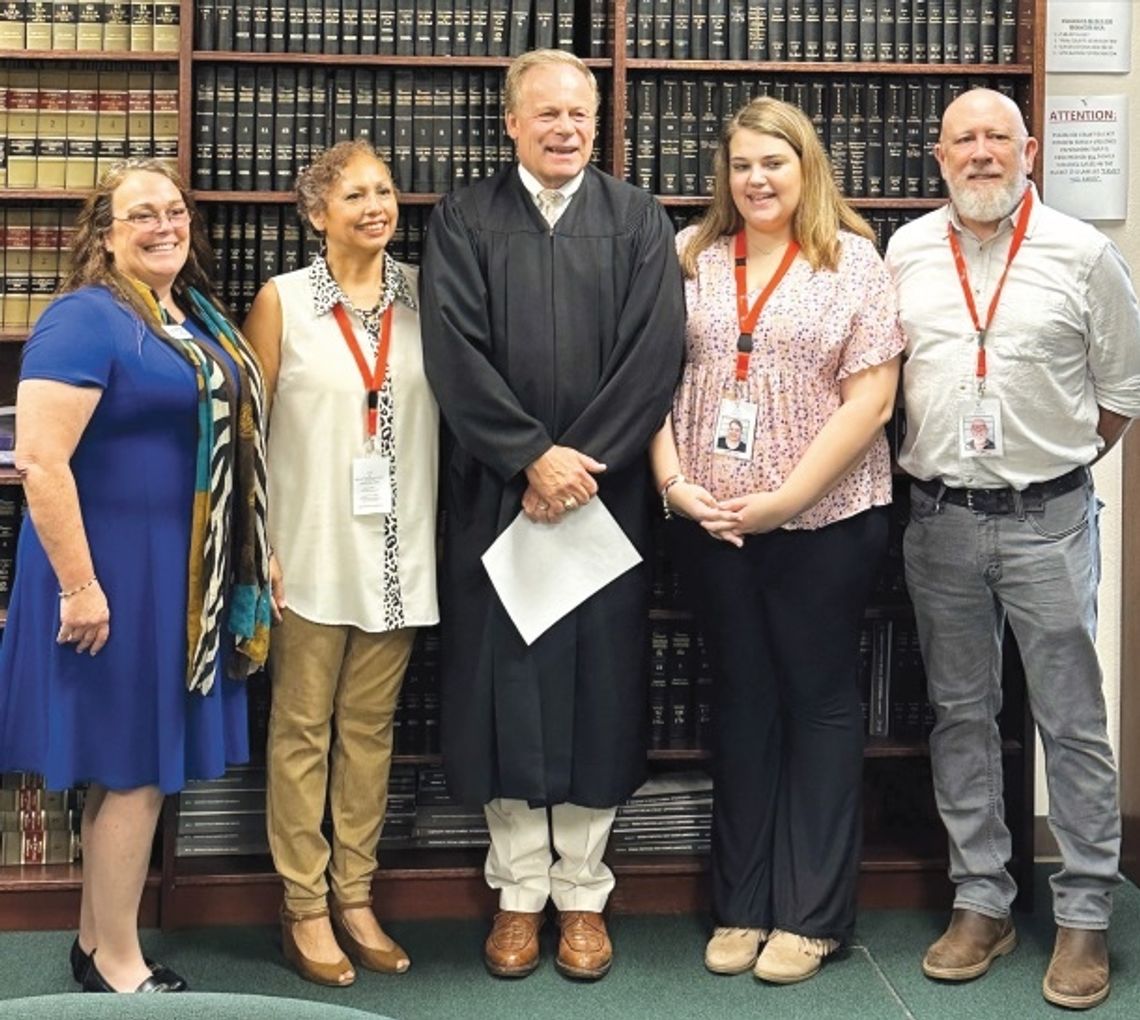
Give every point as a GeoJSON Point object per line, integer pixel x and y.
{"type": "Point", "coordinates": [319, 673]}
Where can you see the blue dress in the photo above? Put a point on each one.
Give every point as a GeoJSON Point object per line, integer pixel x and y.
{"type": "Point", "coordinates": [122, 718]}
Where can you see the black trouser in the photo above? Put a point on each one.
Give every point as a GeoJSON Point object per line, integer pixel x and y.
{"type": "Point", "coordinates": [781, 621]}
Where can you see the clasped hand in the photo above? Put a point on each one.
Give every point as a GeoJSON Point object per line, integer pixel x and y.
{"type": "Point", "coordinates": [727, 520]}
{"type": "Point", "coordinates": [559, 481]}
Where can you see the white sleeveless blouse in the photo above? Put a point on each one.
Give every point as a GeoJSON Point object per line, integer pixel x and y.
{"type": "Point", "coordinates": [376, 572]}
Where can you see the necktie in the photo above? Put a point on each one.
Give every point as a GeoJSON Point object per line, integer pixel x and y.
{"type": "Point", "coordinates": [550, 203]}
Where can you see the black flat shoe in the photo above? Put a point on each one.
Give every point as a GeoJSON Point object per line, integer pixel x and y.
{"type": "Point", "coordinates": [81, 961]}
{"type": "Point", "coordinates": [93, 981]}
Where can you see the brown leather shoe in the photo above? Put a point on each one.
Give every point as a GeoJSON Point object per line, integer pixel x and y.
{"type": "Point", "coordinates": [971, 943]}
{"type": "Point", "coordinates": [511, 950]}
{"type": "Point", "coordinates": [338, 975]}
{"type": "Point", "coordinates": [386, 961]}
{"type": "Point", "coordinates": [1077, 977]}
{"type": "Point", "coordinates": [585, 950]}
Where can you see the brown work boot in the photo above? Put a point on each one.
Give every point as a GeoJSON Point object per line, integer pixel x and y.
{"type": "Point", "coordinates": [1077, 977]}
{"type": "Point", "coordinates": [584, 951]}
{"type": "Point", "coordinates": [511, 950]}
{"type": "Point", "coordinates": [968, 947]}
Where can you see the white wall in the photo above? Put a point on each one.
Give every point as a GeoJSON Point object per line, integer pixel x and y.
{"type": "Point", "coordinates": [1108, 472]}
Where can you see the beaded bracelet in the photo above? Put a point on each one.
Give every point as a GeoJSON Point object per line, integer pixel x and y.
{"type": "Point", "coordinates": [669, 482]}
{"type": "Point", "coordinates": [76, 591]}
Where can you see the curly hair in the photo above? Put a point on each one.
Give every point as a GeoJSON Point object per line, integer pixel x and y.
{"type": "Point", "coordinates": [822, 210]}
{"type": "Point", "coordinates": [91, 264]}
{"type": "Point", "coordinates": [316, 180]}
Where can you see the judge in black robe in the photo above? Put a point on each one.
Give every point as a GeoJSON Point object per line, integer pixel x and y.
{"type": "Point", "coordinates": [533, 337]}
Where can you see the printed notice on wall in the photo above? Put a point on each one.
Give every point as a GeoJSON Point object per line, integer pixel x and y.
{"type": "Point", "coordinates": [1089, 36]}
{"type": "Point", "coordinates": [1086, 156]}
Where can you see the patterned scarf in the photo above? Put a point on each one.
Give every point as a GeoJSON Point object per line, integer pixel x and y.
{"type": "Point", "coordinates": [229, 545]}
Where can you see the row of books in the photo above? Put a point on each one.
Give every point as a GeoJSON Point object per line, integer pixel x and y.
{"type": "Point", "coordinates": [668, 814]}
{"type": "Point", "coordinates": [12, 507]}
{"type": "Point", "coordinates": [422, 28]}
{"type": "Point", "coordinates": [256, 126]}
{"type": "Point", "coordinates": [875, 31]}
{"type": "Point", "coordinates": [38, 826]}
{"type": "Point", "coordinates": [60, 128]}
{"type": "Point", "coordinates": [879, 132]}
{"type": "Point", "coordinates": [35, 241]}
{"type": "Point", "coordinates": [113, 26]}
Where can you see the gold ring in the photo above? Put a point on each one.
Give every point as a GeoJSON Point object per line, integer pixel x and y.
{"type": "Point", "coordinates": [543, 506]}
{"type": "Point", "coordinates": [570, 503]}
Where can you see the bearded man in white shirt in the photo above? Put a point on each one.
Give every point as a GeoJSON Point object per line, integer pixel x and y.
{"type": "Point", "coordinates": [1025, 317]}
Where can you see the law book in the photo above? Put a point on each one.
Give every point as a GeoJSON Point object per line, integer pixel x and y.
{"type": "Point", "coordinates": [23, 111]}
{"type": "Point", "coordinates": [116, 24]}
{"type": "Point", "coordinates": [314, 19]}
{"type": "Point", "coordinates": [755, 29]}
{"type": "Point", "coordinates": [850, 28]}
{"type": "Point", "coordinates": [43, 279]}
{"type": "Point", "coordinates": [89, 25]}
{"type": "Point", "coordinates": [441, 137]}
{"type": "Point", "coordinates": [111, 143]}
{"type": "Point", "coordinates": [678, 729]}
{"type": "Point", "coordinates": [868, 30]}
{"type": "Point", "coordinates": [264, 132]}
{"type": "Point", "coordinates": [205, 24]}
{"type": "Point", "coordinates": [225, 26]}
{"type": "Point", "coordinates": [914, 137]}
{"type": "Point", "coordinates": [894, 138]}
{"type": "Point", "coordinates": [476, 143]}
{"type": "Point", "coordinates": [13, 26]}
{"type": "Point", "coordinates": [249, 280]}
{"type": "Point", "coordinates": [951, 31]}
{"type": "Point", "coordinates": [277, 30]}
{"type": "Point", "coordinates": [17, 256]}
{"type": "Point", "coordinates": [1025, 29]}
{"type": "Point", "coordinates": [320, 112]}
{"type": "Point", "coordinates": [497, 28]}
{"type": "Point", "coordinates": [342, 103]}
{"type": "Point", "coordinates": [423, 118]}
{"type": "Point", "coordinates": [461, 28]}
{"type": "Point", "coordinates": [934, 30]}
{"type": "Point", "coordinates": [167, 25]}
{"type": "Point", "coordinates": [51, 127]}
{"type": "Point", "coordinates": [856, 138]}
{"type": "Point", "coordinates": [302, 120]}
{"type": "Point", "coordinates": [518, 28]}
{"type": "Point", "coordinates": [64, 25]}
{"type": "Point", "coordinates": [933, 105]}
{"type": "Point", "coordinates": [987, 31]}
{"type": "Point", "coordinates": [225, 92]}
{"type": "Point", "coordinates": [874, 122]}
{"type": "Point", "coordinates": [493, 131]}
{"type": "Point", "coordinates": [564, 24]}
{"type": "Point", "coordinates": [918, 54]}
{"type": "Point", "coordinates": [690, 138]}
{"type": "Point", "coordinates": [838, 131]}
{"type": "Point", "coordinates": [699, 29]}
{"type": "Point", "coordinates": [405, 27]}
{"type": "Point", "coordinates": [813, 28]}
{"type": "Point", "coordinates": [350, 26]}
{"type": "Point", "coordinates": [205, 103]}
{"type": "Point", "coordinates": [794, 31]}
{"type": "Point", "coordinates": [669, 136]}
{"type": "Point", "coordinates": [32, 848]}
{"type": "Point", "coordinates": [885, 31]}
{"type": "Point", "coordinates": [830, 30]}
{"type": "Point", "coordinates": [879, 722]}
{"type": "Point", "coordinates": [645, 148]}
{"type": "Point", "coordinates": [140, 111]}
{"type": "Point", "coordinates": [295, 25]}
{"type": "Point", "coordinates": [658, 684]}
{"type": "Point", "coordinates": [718, 29]}
{"type": "Point", "coordinates": [363, 104]}
{"type": "Point", "coordinates": [244, 126]}
{"type": "Point", "coordinates": [544, 24]}
{"type": "Point", "coordinates": [599, 14]}
{"type": "Point", "coordinates": [424, 38]}
{"type": "Point", "coordinates": [385, 28]}
{"type": "Point", "coordinates": [777, 30]}
{"type": "Point", "coordinates": [480, 25]}
{"type": "Point", "coordinates": [142, 24]}
{"type": "Point", "coordinates": [456, 113]}
{"type": "Point", "coordinates": [969, 31]}
{"type": "Point", "coordinates": [811, 96]}
{"type": "Point", "coordinates": [1007, 31]}
{"type": "Point", "coordinates": [243, 27]}
{"type": "Point", "coordinates": [737, 29]}
{"type": "Point", "coordinates": [904, 15]}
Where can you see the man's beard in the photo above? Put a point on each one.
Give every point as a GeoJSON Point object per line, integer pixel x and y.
{"type": "Point", "coordinates": [987, 203]}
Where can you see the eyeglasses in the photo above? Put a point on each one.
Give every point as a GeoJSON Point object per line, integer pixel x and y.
{"type": "Point", "coordinates": [178, 216]}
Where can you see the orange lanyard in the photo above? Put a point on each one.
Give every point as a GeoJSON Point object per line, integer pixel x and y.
{"type": "Point", "coordinates": [964, 279]}
{"type": "Point", "coordinates": [374, 378]}
{"type": "Point", "coordinates": [749, 316]}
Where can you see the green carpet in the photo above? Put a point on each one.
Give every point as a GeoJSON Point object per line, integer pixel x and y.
{"type": "Point", "coordinates": [657, 973]}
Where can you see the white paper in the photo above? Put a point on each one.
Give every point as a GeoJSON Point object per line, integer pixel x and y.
{"type": "Point", "coordinates": [543, 571]}
{"type": "Point", "coordinates": [1089, 36]}
{"type": "Point", "coordinates": [1086, 156]}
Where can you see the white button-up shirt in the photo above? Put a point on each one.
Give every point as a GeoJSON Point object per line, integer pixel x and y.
{"type": "Point", "coordinates": [1065, 340]}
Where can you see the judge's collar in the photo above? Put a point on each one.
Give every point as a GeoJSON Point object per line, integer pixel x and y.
{"type": "Point", "coordinates": [533, 185]}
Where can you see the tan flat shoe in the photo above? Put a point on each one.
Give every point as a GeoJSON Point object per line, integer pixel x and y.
{"type": "Point", "coordinates": [337, 975]}
{"type": "Point", "coordinates": [386, 961]}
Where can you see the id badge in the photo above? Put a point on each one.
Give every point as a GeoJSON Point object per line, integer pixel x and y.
{"type": "Point", "coordinates": [979, 428]}
{"type": "Point", "coordinates": [735, 429]}
{"type": "Point", "coordinates": [176, 331]}
{"type": "Point", "coordinates": [371, 486]}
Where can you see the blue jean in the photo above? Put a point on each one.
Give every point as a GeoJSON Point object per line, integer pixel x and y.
{"type": "Point", "coordinates": [967, 573]}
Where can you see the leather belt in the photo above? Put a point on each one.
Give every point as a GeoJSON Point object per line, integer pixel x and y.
{"type": "Point", "coordinates": [1004, 501]}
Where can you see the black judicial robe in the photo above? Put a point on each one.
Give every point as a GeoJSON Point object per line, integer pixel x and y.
{"type": "Point", "coordinates": [532, 337]}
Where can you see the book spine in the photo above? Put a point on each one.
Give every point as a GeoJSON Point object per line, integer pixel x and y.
{"type": "Point", "coordinates": [777, 30]}
{"type": "Point", "coordinates": [850, 27]}
{"type": "Point", "coordinates": [874, 119]}
{"type": "Point", "coordinates": [969, 31]}
{"type": "Point", "coordinates": [932, 127]}
{"type": "Point", "coordinates": [669, 136]}
{"type": "Point", "coordinates": [794, 31]}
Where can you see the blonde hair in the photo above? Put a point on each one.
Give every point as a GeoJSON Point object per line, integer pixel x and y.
{"type": "Point", "coordinates": [822, 210]}
{"type": "Point", "coordinates": [512, 87]}
{"type": "Point", "coordinates": [92, 264]}
{"type": "Point", "coordinates": [316, 180]}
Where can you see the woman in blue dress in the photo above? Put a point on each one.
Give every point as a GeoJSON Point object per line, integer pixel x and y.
{"type": "Point", "coordinates": [141, 592]}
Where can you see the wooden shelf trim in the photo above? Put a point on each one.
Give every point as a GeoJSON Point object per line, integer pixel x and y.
{"type": "Point", "coordinates": [101, 56]}
{"type": "Point", "coordinates": [830, 67]}
{"type": "Point", "coordinates": [367, 59]}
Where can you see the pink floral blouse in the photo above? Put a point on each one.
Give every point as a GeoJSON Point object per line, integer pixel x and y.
{"type": "Point", "coordinates": [817, 329]}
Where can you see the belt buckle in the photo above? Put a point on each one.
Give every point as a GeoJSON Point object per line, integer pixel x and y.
{"type": "Point", "coordinates": [970, 500]}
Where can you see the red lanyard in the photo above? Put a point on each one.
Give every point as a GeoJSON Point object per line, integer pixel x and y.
{"type": "Point", "coordinates": [748, 316]}
{"type": "Point", "coordinates": [964, 279]}
{"type": "Point", "coordinates": [374, 378]}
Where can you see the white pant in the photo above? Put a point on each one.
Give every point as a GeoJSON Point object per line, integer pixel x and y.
{"type": "Point", "coordinates": [520, 864]}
